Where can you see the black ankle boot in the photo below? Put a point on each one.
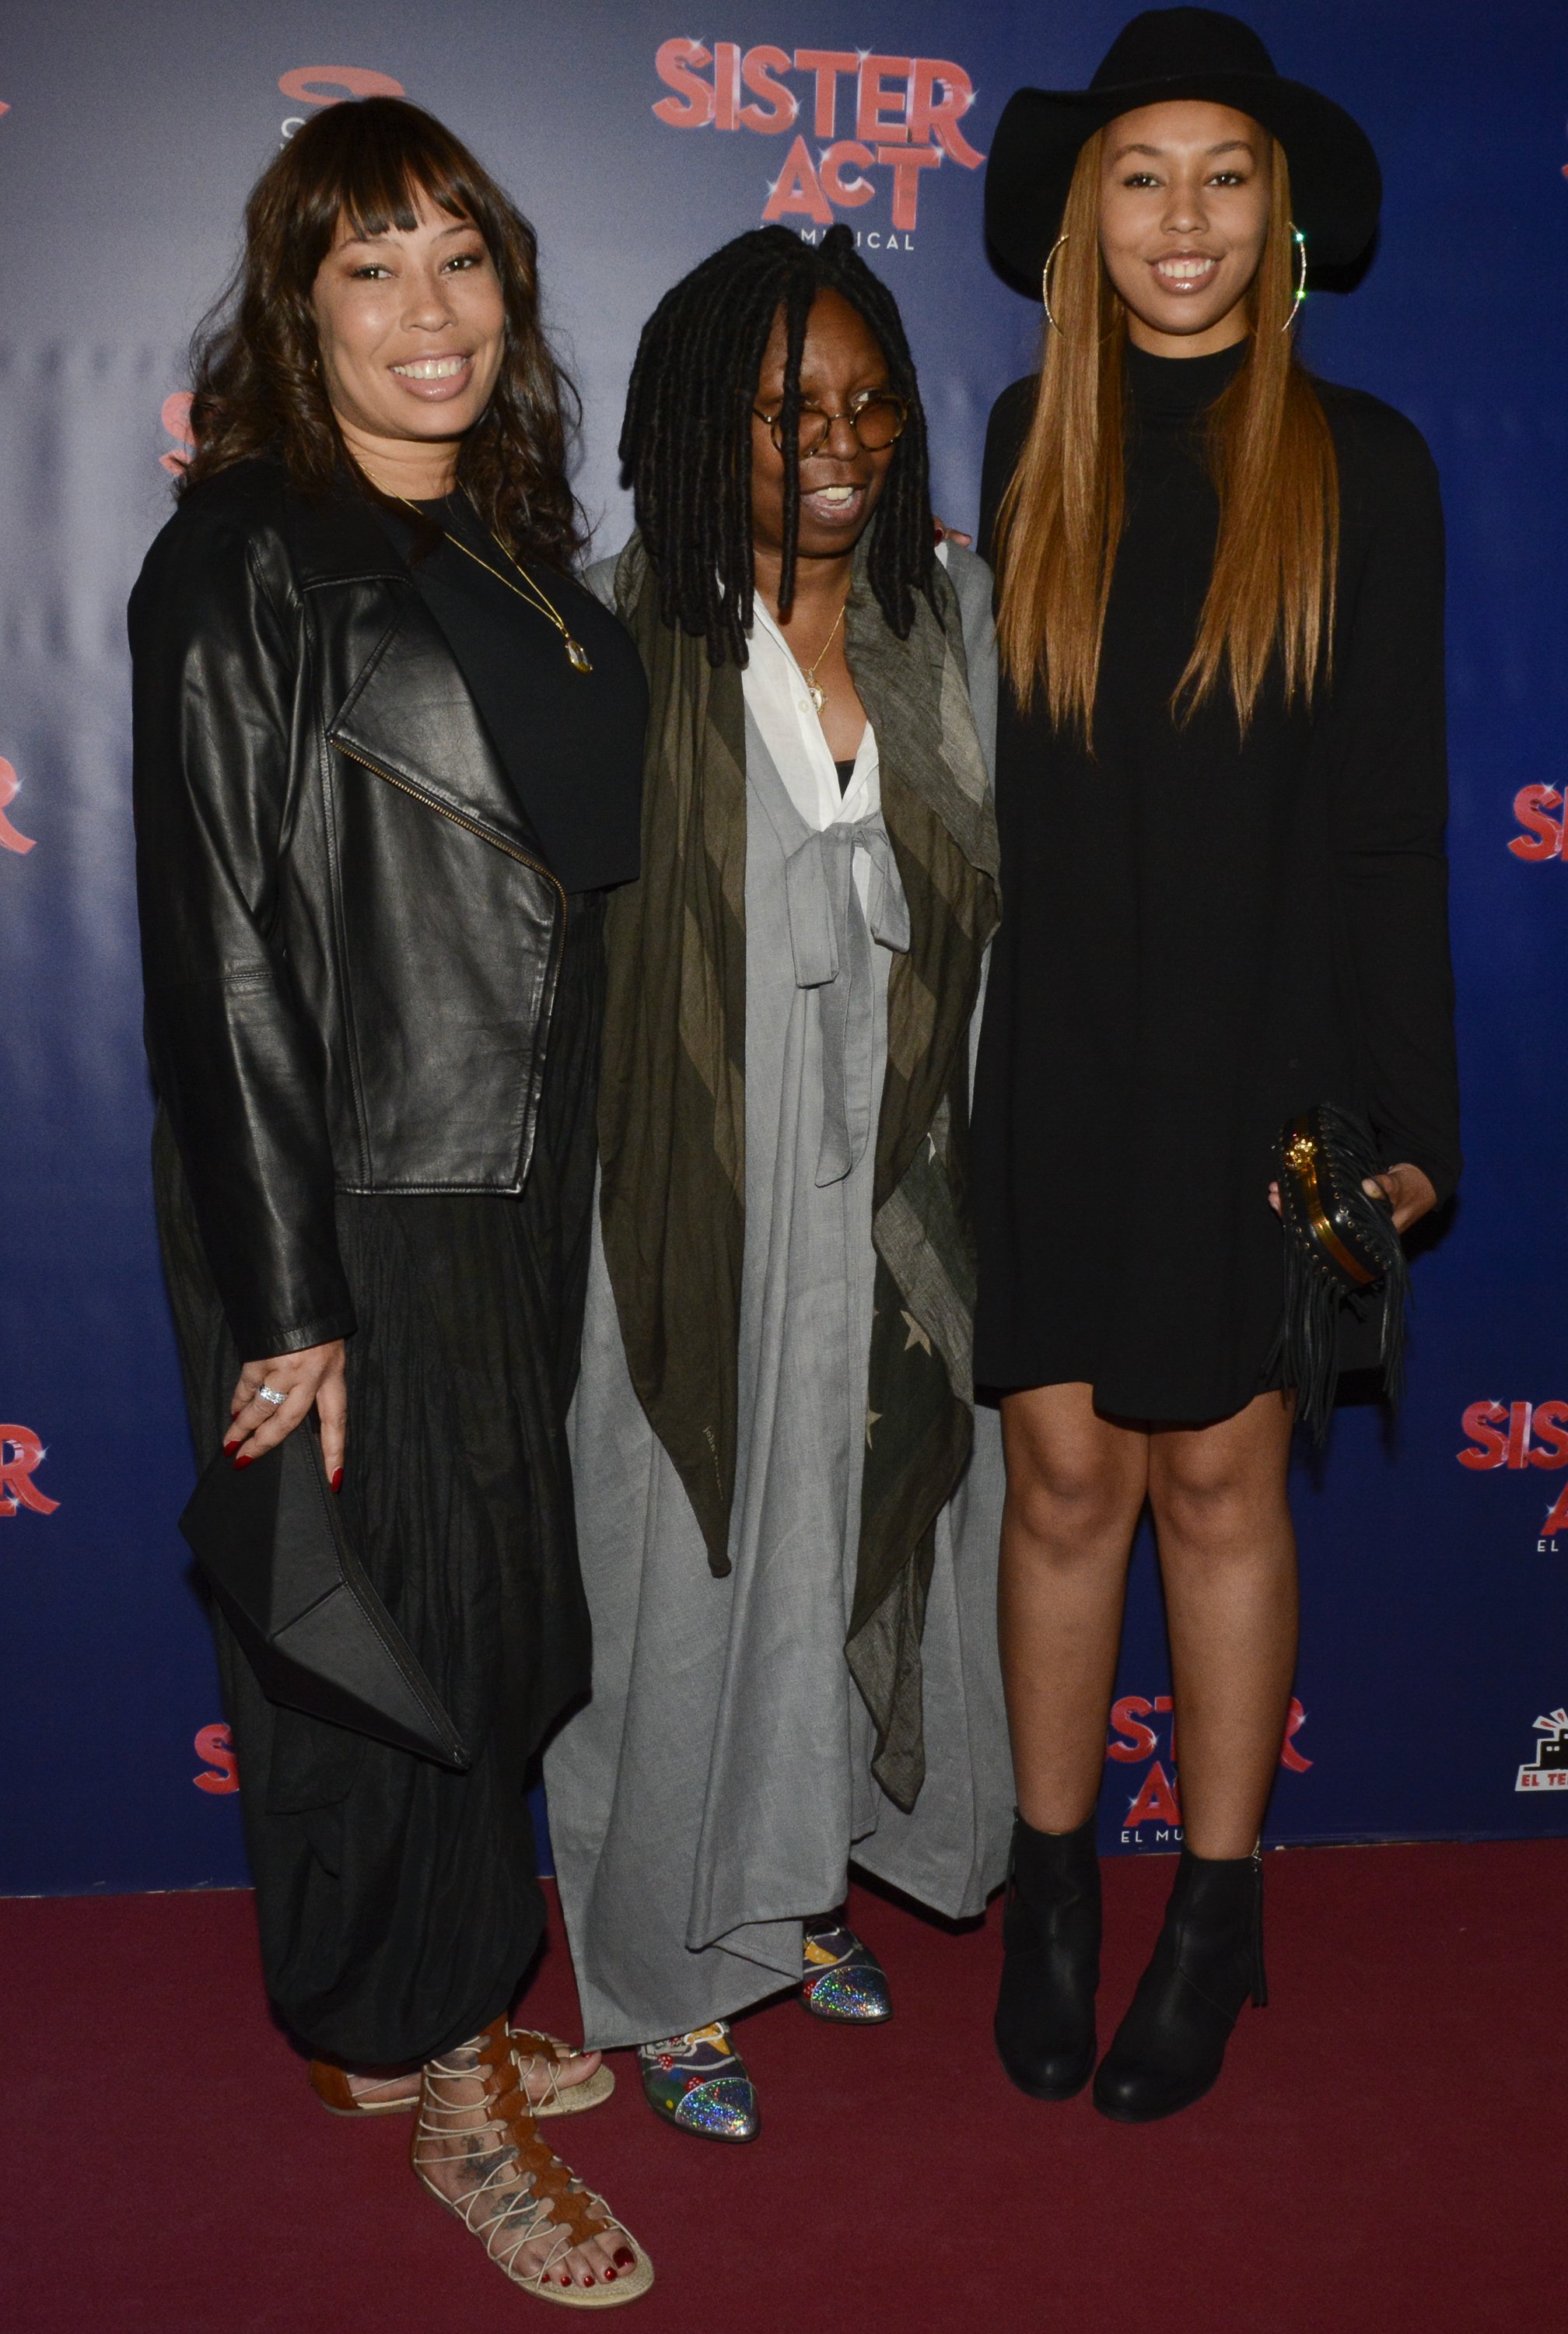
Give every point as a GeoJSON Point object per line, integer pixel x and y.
{"type": "Point", "coordinates": [1045, 2025]}
{"type": "Point", "coordinates": [1170, 2046]}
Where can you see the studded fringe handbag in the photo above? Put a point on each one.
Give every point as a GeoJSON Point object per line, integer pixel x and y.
{"type": "Point", "coordinates": [1340, 1243]}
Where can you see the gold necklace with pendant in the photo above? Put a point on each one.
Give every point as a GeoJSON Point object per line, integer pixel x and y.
{"type": "Point", "coordinates": [819, 697]}
{"type": "Point", "coordinates": [534, 596]}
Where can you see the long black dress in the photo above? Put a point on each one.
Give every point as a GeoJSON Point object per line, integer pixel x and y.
{"type": "Point", "coordinates": [397, 1902]}
{"type": "Point", "coordinates": [1202, 935]}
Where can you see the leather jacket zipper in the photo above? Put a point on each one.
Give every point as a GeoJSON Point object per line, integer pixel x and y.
{"type": "Point", "coordinates": [417, 794]}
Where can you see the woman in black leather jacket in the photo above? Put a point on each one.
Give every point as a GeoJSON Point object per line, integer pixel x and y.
{"type": "Point", "coordinates": [387, 763]}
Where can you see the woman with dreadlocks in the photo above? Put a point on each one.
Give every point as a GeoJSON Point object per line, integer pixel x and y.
{"type": "Point", "coordinates": [790, 1573]}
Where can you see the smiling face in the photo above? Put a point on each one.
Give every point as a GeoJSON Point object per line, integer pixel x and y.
{"type": "Point", "coordinates": [1184, 206]}
{"type": "Point", "coordinates": [842, 483]}
{"type": "Point", "coordinates": [412, 331]}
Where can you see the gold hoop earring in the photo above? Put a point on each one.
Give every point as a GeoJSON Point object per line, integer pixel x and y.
{"type": "Point", "coordinates": [1300, 292]}
{"type": "Point", "coordinates": [1046, 285]}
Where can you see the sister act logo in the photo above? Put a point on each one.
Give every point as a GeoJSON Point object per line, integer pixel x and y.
{"type": "Point", "coordinates": [220, 1775]}
{"type": "Point", "coordinates": [313, 85]}
{"type": "Point", "coordinates": [1519, 1434]}
{"type": "Point", "coordinates": [1153, 1818]}
{"type": "Point", "coordinates": [11, 837]}
{"type": "Point", "coordinates": [1542, 834]}
{"type": "Point", "coordinates": [22, 1453]}
{"type": "Point", "coordinates": [898, 118]}
{"type": "Point", "coordinates": [322, 85]}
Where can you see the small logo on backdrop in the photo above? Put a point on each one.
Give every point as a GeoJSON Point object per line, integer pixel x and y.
{"type": "Point", "coordinates": [1521, 1435]}
{"type": "Point", "coordinates": [1543, 835]}
{"type": "Point", "coordinates": [175, 415]}
{"type": "Point", "coordinates": [221, 1772]}
{"type": "Point", "coordinates": [902, 115]}
{"type": "Point", "coordinates": [21, 1455]}
{"type": "Point", "coordinates": [319, 85]}
{"type": "Point", "coordinates": [1548, 1770]}
{"type": "Point", "coordinates": [11, 837]}
{"type": "Point", "coordinates": [1153, 1818]}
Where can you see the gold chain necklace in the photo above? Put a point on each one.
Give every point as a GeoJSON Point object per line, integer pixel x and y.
{"type": "Point", "coordinates": [819, 697]}
{"type": "Point", "coordinates": [534, 595]}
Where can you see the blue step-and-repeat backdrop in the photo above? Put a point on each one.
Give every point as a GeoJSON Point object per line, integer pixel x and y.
{"type": "Point", "coordinates": [1434, 1669]}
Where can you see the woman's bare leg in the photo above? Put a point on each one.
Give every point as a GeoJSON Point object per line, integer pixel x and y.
{"type": "Point", "coordinates": [1228, 1560]}
{"type": "Point", "coordinates": [1076, 1484]}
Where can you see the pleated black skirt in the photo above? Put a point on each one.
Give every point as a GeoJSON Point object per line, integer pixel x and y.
{"type": "Point", "coordinates": [397, 1902]}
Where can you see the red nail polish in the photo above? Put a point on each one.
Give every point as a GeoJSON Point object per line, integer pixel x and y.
{"type": "Point", "coordinates": [337, 1479]}
{"type": "Point", "coordinates": [565, 2279]}
{"type": "Point", "coordinates": [244, 1463]}
{"type": "Point", "coordinates": [607, 2275]}
{"type": "Point", "coordinates": [623, 2260]}
{"type": "Point", "coordinates": [231, 1448]}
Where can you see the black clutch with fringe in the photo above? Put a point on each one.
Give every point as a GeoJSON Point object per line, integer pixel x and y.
{"type": "Point", "coordinates": [1340, 1245]}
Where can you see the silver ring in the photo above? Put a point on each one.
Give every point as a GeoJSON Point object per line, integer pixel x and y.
{"type": "Point", "coordinates": [271, 1396]}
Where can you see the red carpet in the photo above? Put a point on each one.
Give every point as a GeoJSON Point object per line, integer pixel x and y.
{"type": "Point", "coordinates": [1385, 2152]}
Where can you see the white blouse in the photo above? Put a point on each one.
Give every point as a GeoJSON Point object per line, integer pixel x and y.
{"type": "Point", "coordinates": [779, 702]}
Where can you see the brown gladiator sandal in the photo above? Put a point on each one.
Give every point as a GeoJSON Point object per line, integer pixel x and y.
{"type": "Point", "coordinates": [527, 2195]}
{"type": "Point", "coordinates": [545, 2052]}
{"type": "Point", "coordinates": [338, 2095]}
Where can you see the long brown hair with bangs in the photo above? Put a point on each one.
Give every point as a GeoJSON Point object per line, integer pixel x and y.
{"type": "Point", "coordinates": [258, 386]}
{"type": "Point", "coordinates": [1272, 590]}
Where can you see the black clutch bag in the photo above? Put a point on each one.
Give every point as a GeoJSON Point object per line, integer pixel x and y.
{"type": "Point", "coordinates": [1340, 1247]}
{"type": "Point", "coordinates": [270, 1542]}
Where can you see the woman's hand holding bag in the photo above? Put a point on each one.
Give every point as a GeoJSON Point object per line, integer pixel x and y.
{"type": "Point", "coordinates": [313, 1377]}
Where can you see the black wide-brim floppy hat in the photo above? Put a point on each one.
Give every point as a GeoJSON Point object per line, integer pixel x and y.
{"type": "Point", "coordinates": [1335, 185]}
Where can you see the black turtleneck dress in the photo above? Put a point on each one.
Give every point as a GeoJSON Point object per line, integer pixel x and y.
{"type": "Point", "coordinates": [1204, 934]}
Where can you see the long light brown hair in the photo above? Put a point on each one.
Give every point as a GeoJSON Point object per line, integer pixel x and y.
{"type": "Point", "coordinates": [258, 386]}
{"type": "Point", "coordinates": [1272, 590]}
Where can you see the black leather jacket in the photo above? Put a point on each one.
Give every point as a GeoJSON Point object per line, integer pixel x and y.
{"type": "Point", "coordinates": [350, 937]}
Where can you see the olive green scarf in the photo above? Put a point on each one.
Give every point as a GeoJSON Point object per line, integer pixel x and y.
{"type": "Point", "coordinates": [672, 1106]}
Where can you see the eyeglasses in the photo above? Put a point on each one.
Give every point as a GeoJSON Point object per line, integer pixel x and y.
{"type": "Point", "coordinates": [877, 418]}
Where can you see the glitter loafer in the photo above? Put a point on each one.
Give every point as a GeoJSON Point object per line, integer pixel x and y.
{"type": "Point", "coordinates": [696, 2082]}
{"type": "Point", "coordinates": [843, 1979]}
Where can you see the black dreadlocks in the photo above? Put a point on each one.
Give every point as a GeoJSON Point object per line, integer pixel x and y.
{"type": "Point", "coordinates": [685, 441]}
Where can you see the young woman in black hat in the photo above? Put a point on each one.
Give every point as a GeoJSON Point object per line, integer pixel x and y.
{"type": "Point", "coordinates": [1221, 791]}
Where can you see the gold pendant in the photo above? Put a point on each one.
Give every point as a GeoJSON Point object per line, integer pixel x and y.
{"type": "Point", "coordinates": [581, 661]}
{"type": "Point", "coordinates": [819, 697]}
